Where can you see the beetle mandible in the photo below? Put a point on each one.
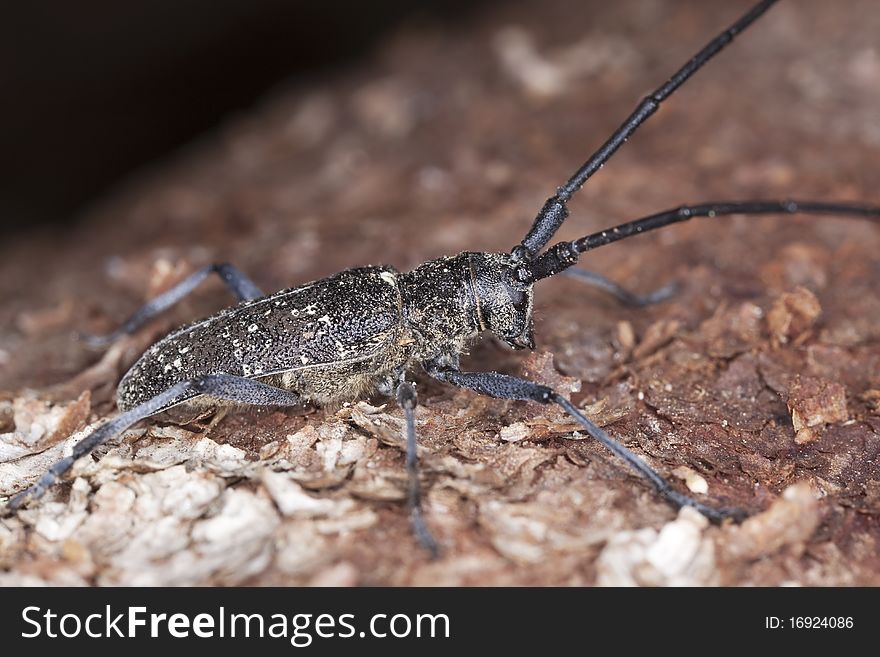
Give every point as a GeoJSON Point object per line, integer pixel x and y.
{"type": "Point", "coordinates": [362, 329]}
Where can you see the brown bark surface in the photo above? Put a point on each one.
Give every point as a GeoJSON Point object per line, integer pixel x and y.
{"type": "Point", "coordinates": [758, 384]}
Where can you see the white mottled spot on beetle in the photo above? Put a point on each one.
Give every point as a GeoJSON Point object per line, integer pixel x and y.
{"type": "Point", "coordinates": [388, 277]}
{"type": "Point", "coordinates": [325, 319]}
{"type": "Point", "coordinates": [246, 369]}
{"type": "Point", "coordinates": [311, 309]}
{"type": "Point", "coordinates": [305, 361]}
{"type": "Point", "coordinates": [177, 363]}
{"type": "Point", "coordinates": [252, 328]}
{"type": "Point", "coordinates": [184, 350]}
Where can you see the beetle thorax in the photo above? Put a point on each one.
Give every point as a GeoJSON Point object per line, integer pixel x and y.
{"type": "Point", "coordinates": [451, 300]}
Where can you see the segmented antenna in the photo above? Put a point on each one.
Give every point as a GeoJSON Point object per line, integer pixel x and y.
{"type": "Point", "coordinates": [563, 255]}
{"type": "Point", "coordinates": [555, 211]}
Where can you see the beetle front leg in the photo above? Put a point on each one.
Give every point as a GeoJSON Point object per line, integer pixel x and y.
{"type": "Point", "coordinates": [625, 296]}
{"type": "Point", "coordinates": [407, 398]}
{"type": "Point", "coordinates": [238, 283]}
{"type": "Point", "coordinates": [504, 386]}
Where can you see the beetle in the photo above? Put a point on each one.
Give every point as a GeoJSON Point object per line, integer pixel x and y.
{"type": "Point", "coordinates": [363, 329]}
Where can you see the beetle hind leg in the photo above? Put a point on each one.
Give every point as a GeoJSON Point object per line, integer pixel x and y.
{"type": "Point", "coordinates": [238, 283]}
{"type": "Point", "coordinates": [223, 387]}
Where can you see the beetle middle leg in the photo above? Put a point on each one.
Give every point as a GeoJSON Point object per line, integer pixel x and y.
{"type": "Point", "coordinates": [406, 397]}
{"type": "Point", "coordinates": [622, 294]}
{"type": "Point", "coordinates": [504, 386]}
{"type": "Point", "coordinates": [222, 387]}
{"type": "Point", "coordinates": [238, 283]}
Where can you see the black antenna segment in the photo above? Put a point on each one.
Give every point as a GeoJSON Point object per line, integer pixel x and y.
{"type": "Point", "coordinates": [554, 212]}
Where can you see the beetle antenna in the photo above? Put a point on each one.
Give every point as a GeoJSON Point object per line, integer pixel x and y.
{"type": "Point", "coordinates": [563, 255]}
{"type": "Point", "coordinates": [555, 210]}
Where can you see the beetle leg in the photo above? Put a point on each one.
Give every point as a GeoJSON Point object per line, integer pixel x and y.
{"type": "Point", "coordinates": [225, 387]}
{"type": "Point", "coordinates": [504, 386]}
{"type": "Point", "coordinates": [619, 292]}
{"type": "Point", "coordinates": [406, 397]}
{"type": "Point", "coordinates": [240, 285]}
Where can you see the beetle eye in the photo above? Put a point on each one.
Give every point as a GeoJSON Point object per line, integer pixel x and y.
{"type": "Point", "coordinates": [517, 297]}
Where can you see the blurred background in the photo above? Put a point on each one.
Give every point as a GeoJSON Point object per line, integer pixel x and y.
{"type": "Point", "coordinates": [93, 90]}
{"type": "Point", "coordinates": [299, 139]}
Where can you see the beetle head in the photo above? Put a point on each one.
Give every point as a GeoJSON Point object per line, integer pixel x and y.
{"type": "Point", "coordinates": [502, 306]}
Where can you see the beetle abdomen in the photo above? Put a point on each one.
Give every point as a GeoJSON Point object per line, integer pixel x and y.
{"type": "Point", "coordinates": [343, 323]}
